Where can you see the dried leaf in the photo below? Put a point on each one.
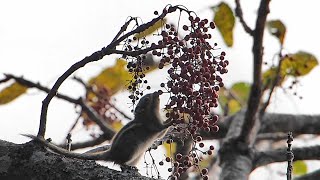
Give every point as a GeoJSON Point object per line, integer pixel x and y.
{"type": "Point", "coordinates": [113, 78]}
{"type": "Point", "coordinates": [11, 92]}
{"type": "Point", "coordinates": [298, 64]}
{"type": "Point", "coordinates": [278, 29]}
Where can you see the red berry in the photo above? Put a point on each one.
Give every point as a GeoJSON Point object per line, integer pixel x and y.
{"type": "Point", "coordinates": [201, 145]}
{"type": "Point", "coordinates": [204, 171]}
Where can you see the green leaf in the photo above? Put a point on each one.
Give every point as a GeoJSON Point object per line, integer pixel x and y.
{"type": "Point", "coordinates": [241, 91]}
{"type": "Point", "coordinates": [277, 29]}
{"type": "Point", "coordinates": [235, 98]}
{"type": "Point", "coordinates": [113, 78]}
{"type": "Point", "coordinates": [299, 168]}
{"type": "Point", "coordinates": [298, 64]}
{"type": "Point", "coordinates": [12, 92]}
{"type": "Point", "coordinates": [224, 20]}
{"type": "Point", "coordinates": [151, 29]}
{"type": "Point", "coordinates": [269, 76]}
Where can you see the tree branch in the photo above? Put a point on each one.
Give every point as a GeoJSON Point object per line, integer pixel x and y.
{"type": "Point", "coordinates": [279, 155]}
{"type": "Point", "coordinates": [239, 13]}
{"type": "Point", "coordinates": [298, 124]}
{"type": "Point", "coordinates": [255, 92]}
{"type": "Point", "coordinates": [273, 86]}
{"type": "Point", "coordinates": [273, 125]}
{"type": "Point", "coordinates": [106, 129]}
{"type": "Point", "coordinates": [310, 176]}
{"type": "Point", "coordinates": [33, 161]}
{"type": "Point", "coordinates": [94, 57]}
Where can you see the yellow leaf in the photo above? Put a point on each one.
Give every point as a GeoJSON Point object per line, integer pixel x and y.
{"type": "Point", "coordinates": [278, 29]}
{"type": "Point", "coordinates": [170, 148]}
{"type": "Point", "coordinates": [269, 76]}
{"type": "Point", "coordinates": [234, 106]}
{"type": "Point", "coordinates": [151, 29]}
{"type": "Point", "coordinates": [113, 78]}
{"type": "Point", "coordinates": [224, 20]}
{"type": "Point", "coordinates": [300, 168]}
{"type": "Point", "coordinates": [205, 162]}
{"type": "Point", "coordinates": [11, 92]}
{"type": "Point", "coordinates": [299, 64]}
{"type": "Point", "coordinates": [117, 125]}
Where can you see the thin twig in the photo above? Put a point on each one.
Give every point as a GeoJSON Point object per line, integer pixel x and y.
{"type": "Point", "coordinates": [239, 13]}
{"type": "Point", "coordinates": [290, 156]}
{"type": "Point", "coordinates": [274, 85]}
{"type": "Point", "coordinates": [4, 79]}
{"type": "Point", "coordinates": [123, 28]}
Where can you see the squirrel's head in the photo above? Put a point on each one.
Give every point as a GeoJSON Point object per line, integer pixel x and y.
{"type": "Point", "coordinates": [149, 103]}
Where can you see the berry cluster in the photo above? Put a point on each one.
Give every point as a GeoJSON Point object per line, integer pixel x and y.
{"type": "Point", "coordinates": [98, 98]}
{"type": "Point", "coordinates": [136, 67]}
{"type": "Point", "coordinates": [194, 78]}
{"type": "Point", "coordinates": [194, 75]}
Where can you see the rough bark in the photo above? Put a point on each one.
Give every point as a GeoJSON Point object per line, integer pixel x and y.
{"type": "Point", "coordinates": [32, 161]}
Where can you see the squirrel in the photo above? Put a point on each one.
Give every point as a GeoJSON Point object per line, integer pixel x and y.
{"type": "Point", "coordinates": [130, 143]}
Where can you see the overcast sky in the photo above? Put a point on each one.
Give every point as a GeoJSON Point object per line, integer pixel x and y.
{"type": "Point", "coordinates": [41, 39]}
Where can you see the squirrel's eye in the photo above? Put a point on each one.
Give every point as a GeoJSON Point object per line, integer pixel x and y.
{"type": "Point", "coordinates": [147, 99]}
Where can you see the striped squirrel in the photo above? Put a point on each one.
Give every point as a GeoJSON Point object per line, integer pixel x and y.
{"type": "Point", "coordinates": [130, 143]}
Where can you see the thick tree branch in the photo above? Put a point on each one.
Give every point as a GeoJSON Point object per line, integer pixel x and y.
{"type": "Point", "coordinates": [32, 161]}
{"type": "Point", "coordinates": [239, 13]}
{"type": "Point", "coordinates": [279, 155]}
{"type": "Point", "coordinates": [273, 125]}
{"type": "Point", "coordinates": [298, 124]}
{"type": "Point", "coordinates": [255, 92]}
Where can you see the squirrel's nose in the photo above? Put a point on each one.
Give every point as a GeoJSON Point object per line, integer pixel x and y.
{"type": "Point", "coordinates": [157, 93]}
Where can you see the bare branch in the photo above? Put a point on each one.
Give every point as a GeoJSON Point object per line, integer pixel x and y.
{"type": "Point", "coordinates": [274, 85]}
{"type": "Point", "coordinates": [297, 124]}
{"type": "Point", "coordinates": [94, 57]}
{"type": "Point", "coordinates": [279, 155]}
{"type": "Point", "coordinates": [4, 79]}
{"type": "Point", "coordinates": [91, 113]}
{"type": "Point", "coordinates": [273, 126]}
{"type": "Point", "coordinates": [255, 92]}
{"type": "Point", "coordinates": [239, 13]}
{"type": "Point", "coordinates": [123, 28]}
